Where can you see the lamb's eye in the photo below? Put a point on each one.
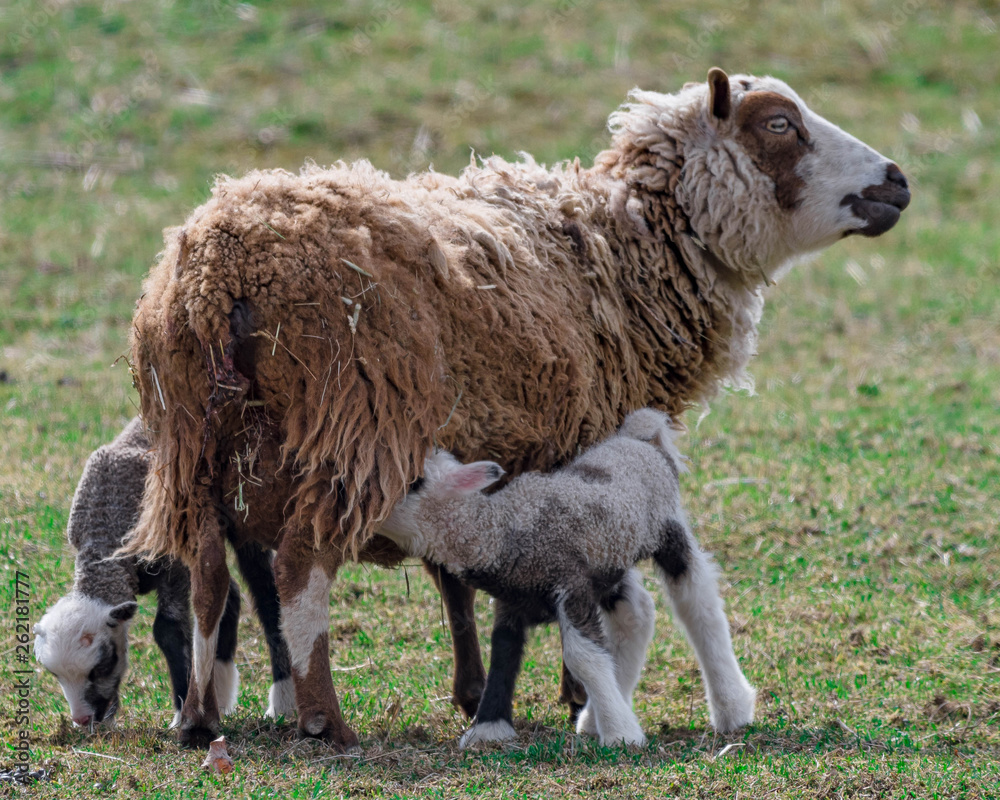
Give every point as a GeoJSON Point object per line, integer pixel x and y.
{"type": "Point", "coordinates": [777, 125]}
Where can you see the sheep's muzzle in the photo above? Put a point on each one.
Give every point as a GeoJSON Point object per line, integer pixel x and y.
{"type": "Point", "coordinates": [880, 204]}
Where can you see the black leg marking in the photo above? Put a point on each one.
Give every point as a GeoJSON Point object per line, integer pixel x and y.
{"type": "Point", "coordinates": [506, 650]}
{"type": "Point", "coordinates": [255, 566]}
{"type": "Point", "coordinates": [225, 648]}
{"type": "Point", "coordinates": [172, 630]}
{"type": "Point", "coordinates": [674, 554]}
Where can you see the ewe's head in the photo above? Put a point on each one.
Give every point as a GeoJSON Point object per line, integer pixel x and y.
{"type": "Point", "coordinates": [84, 643]}
{"type": "Point", "coordinates": [764, 179]}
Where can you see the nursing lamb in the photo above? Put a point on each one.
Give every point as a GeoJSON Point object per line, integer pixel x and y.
{"type": "Point", "coordinates": [563, 546]}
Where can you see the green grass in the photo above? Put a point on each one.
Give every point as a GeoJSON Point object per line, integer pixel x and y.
{"type": "Point", "coordinates": [852, 501]}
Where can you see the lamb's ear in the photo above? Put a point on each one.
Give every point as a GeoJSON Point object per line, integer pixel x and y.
{"type": "Point", "coordinates": [122, 612]}
{"type": "Point", "coordinates": [473, 477]}
{"type": "Point", "coordinates": [719, 100]}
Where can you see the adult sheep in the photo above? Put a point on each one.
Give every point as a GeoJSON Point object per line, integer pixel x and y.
{"type": "Point", "coordinates": [328, 326]}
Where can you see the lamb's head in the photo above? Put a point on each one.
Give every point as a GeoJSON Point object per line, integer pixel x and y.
{"type": "Point", "coordinates": [652, 426]}
{"type": "Point", "coordinates": [446, 479]}
{"type": "Point", "coordinates": [764, 179]}
{"type": "Point", "coordinates": [84, 643]}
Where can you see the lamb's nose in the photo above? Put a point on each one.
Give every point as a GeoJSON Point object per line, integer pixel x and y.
{"type": "Point", "coordinates": [896, 176]}
{"type": "Point", "coordinates": [83, 721]}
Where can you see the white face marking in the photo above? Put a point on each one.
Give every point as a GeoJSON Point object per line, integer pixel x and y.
{"type": "Point", "coordinates": [88, 657]}
{"type": "Point", "coordinates": [306, 617]}
{"type": "Point", "coordinates": [837, 165]}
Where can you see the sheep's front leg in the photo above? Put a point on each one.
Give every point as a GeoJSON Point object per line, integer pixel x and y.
{"type": "Point", "coordinates": [692, 584]}
{"type": "Point", "coordinates": [470, 675]}
{"type": "Point", "coordinates": [495, 718]}
{"type": "Point", "coordinates": [631, 620]}
{"type": "Point", "coordinates": [209, 590]}
{"type": "Point", "coordinates": [256, 568]}
{"type": "Point", "coordinates": [587, 656]}
{"type": "Point", "coordinates": [303, 577]}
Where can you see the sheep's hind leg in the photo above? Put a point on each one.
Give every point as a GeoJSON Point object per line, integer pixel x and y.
{"type": "Point", "coordinates": [256, 568]}
{"type": "Point", "coordinates": [227, 677]}
{"type": "Point", "coordinates": [690, 578]}
{"type": "Point", "coordinates": [470, 675]}
{"type": "Point", "coordinates": [631, 620]}
{"type": "Point", "coordinates": [495, 719]}
{"type": "Point", "coordinates": [586, 655]}
{"type": "Point", "coordinates": [303, 577]}
{"type": "Point", "coordinates": [209, 590]}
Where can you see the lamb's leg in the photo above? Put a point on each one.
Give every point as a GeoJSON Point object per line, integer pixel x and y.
{"type": "Point", "coordinates": [209, 590]}
{"type": "Point", "coordinates": [631, 620]}
{"type": "Point", "coordinates": [255, 566]}
{"type": "Point", "coordinates": [172, 631]}
{"type": "Point", "coordinates": [470, 675]}
{"type": "Point", "coordinates": [690, 578]}
{"type": "Point", "coordinates": [586, 655]}
{"type": "Point", "coordinates": [495, 718]}
{"type": "Point", "coordinates": [303, 576]}
{"type": "Point", "coordinates": [572, 693]}
{"type": "Point", "coordinates": [227, 677]}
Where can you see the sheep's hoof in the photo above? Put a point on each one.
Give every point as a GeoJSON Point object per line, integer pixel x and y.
{"type": "Point", "coordinates": [467, 697]}
{"type": "Point", "coordinates": [196, 734]}
{"type": "Point", "coordinates": [499, 730]}
{"type": "Point", "coordinates": [317, 725]}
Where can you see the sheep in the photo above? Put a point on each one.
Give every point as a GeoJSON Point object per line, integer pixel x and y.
{"type": "Point", "coordinates": [83, 638]}
{"type": "Point", "coordinates": [563, 546]}
{"type": "Point", "coordinates": [331, 325]}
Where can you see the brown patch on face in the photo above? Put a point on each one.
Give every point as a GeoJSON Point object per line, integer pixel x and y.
{"type": "Point", "coordinates": [774, 154]}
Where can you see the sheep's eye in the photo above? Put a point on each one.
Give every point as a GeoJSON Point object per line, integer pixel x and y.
{"type": "Point", "coordinates": [777, 125]}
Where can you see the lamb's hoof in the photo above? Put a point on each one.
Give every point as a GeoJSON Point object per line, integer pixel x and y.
{"type": "Point", "coordinates": [316, 725]}
{"type": "Point", "coordinates": [496, 731]}
{"type": "Point", "coordinates": [281, 699]}
{"type": "Point", "coordinates": [631, 734]}
{"type": "Point", "coordinates": [586, 722]}
{"type": "Point", "coordinates": [735, 712]}
{"type": "Point", "coordinates": [467, 696]}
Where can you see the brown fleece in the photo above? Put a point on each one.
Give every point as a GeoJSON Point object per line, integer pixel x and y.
{"type": "Point", "coordinates": [329, 326]}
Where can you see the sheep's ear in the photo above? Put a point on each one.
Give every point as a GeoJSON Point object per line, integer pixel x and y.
{"type": "Point", "coordinates": [122, 612]}
{"type": "Point", "coordinates": [473, 477]}
{"type": "Point", "coordinates": [718, 93]}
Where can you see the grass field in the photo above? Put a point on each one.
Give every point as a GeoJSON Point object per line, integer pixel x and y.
{"type": "Point", "coordinates": [852, 501]}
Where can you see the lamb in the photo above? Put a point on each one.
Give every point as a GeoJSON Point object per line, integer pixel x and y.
{"type": "Point", "coordinates": [329, 326]}
{"type": "Point", "coordinates": [563, 546]}
{"type": "Point", "coordinates": [83, 638]}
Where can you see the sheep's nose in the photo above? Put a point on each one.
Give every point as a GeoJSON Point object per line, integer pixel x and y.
{"type": "Point", "coordinates": [83, 720]}
{"type": "Point", "coordinates": [895, 175]}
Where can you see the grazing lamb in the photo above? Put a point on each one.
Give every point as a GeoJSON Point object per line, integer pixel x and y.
{"type": "Point", "coordinates": [329, 326]}
{"type": "Point", "coordinates": [563, 546]}
{"type": "Point", "coordinates": [83, 638]}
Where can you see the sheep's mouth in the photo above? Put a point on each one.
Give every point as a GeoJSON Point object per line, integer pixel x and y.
{"type": "Point", "coordinates": [879, 206]}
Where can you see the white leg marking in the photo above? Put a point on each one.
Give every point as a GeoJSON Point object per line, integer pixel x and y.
{"type": "Point", "coordinates": [176, 720]}
{"type": "Point", "coordinates": [204, 660]}
{"type": "Point", "coordinates": [227, 686]}
{"type": "Point", "coordinates": [630, 626]}
{"type": "Point", "coordinates": [699, 610]}
{"type": "Point", "coordinates": [586, 722]}
{"type": "Point", "coordinates": [281, 699]}
{"type": "Point", "coordinates": [306, 617]}
{"type": "Point", "coordinates": [497, 731]}
{"type": "Point", "coordinates": [594, 667]}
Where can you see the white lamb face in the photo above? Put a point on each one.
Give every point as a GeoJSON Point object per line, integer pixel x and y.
{"type": "Point", "coordinates": [84, 643]}
{"type": "Point", "coordinates": [769, 179]}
